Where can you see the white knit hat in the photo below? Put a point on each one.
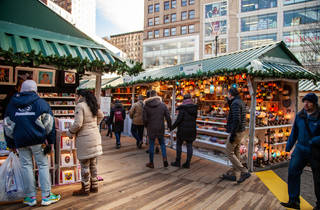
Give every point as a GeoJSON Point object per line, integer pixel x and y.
{"type": "Point", "coordinates": [28, 86]}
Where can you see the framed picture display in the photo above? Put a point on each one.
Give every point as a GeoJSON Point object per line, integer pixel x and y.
{"type": "Point", "coordinates": [46, 77]}
{"type": "Point", "coordinates": [68, 176]}
{"type": "Point", "coordinates": [69, 78]}
{"type": "Point", "coordinates": [25, 73]}
{"type": "Point", "coordinates": [6, 75]}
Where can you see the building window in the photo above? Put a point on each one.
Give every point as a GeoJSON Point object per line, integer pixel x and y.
{"type": "Point", "coordinates": [300, 38]}
{"type": "Point", "coordinates": [156, 34]}
{"type": "Point", "coordinates": [260, 22]}
{"type": "Point", "coordinates": [156, 21]}
{"type": "Point", "coordinates": [173, 4]}
{"type": "Point", "coordinates": [150, 35]}
{"type": "Point", "coordinates": [191, 14]}
{"type": "Point", "coordinates": [150, 9]}
{"type": "Point", "coordinates": [191, 29]}
{"type": "Point", "coordinates": [183, 3]}
{"type": "Point", "coordinates": [166, 19]}
{"type": "Point", "coordinates": [252, 5]}
{"type": "Point", "coordinates": [150, 22]}
{"type": "Point", "coordinates": [183, 29]}
{"type": "Point", "coordinates": [173, 17]}
{"type": "Point", "coordinates": [216, 9]}
{"type": "Point", "coordinates": [166, 32]}
{"type": "Point", "coordinates": [191, 2]}
{"type": "Point", "coordinates": [210, 47]}
{"type": "Point", "coordinates": [184, 15]}
{"type": "Point", "coordinates": [301, 16]}
{"type": "Point", "coordinates": [156, 7]}
{"type": "Point", "coordinates": [253, 41]}
{"type": "Point", "coordinates": [173, 31]}
{"type": "Point", "coordinates": [166, 5]}
{"type": "Point", "coordinates": [215, 28]}
{"type": "Point", "coordinates": [288, 2]}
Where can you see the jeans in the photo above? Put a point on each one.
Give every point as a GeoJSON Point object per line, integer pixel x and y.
{"type": "Point", "coordinates": [109, 130]}
{"type": "Point", "coordinates": [118, 135]}
{"type": "Point", "coordinates": [25, 156]}
{"type": "Point", "coordinates": [162, 145]}
{"type": "Point", "coordinates": [179, 150]}
{"type": "Point", "coordinates": [299, 160]}
{"type": "Point", "coordinates": [137, 132]}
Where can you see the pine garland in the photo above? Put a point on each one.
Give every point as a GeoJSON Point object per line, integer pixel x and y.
{"type": "Point", "coordinates": [33, 59]}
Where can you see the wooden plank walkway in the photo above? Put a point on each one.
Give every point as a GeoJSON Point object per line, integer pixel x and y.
{"type": "Point", "coordinates": [128, 184]}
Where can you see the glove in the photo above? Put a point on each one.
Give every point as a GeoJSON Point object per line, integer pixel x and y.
{"type": "Point", "coordinates": [232, 138]}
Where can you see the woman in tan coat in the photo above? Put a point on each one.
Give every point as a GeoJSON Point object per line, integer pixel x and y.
{"type": "Point", "coordinates": [88, 140]}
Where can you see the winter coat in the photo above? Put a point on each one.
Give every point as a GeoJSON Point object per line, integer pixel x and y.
{"type": "Point", "coordinates": [117, 126]}
{"type": "Point", "coordinates": [28, 121]}
{"type": "Point", "coordinates": [299, 132]}
{"type": "Point", "coordinates": [136, 113]}
{"type": "Point", "coordinates": [236, 121]}
{"type": "Point", "coordinates": [186, 122]}
{"type": "Point", "coordinates": [86, 129]}
{"type": "Point", "coordinates": [154, 112]}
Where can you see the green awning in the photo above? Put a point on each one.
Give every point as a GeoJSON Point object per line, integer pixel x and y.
{"type": "Point", "coordinates": [91, 84]}
{"type": "Point", "coordinates": [25, 39]}
{"type": "Point", "coordinates": [306, 85]}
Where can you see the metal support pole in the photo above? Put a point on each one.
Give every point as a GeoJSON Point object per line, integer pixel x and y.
{"type": "Point", "coordinates": [97, 90]}
{"type": "Point", "coordinates": [132, 95]}
{"type": "Point", "coordinates": [216, 39]}
{"type": "Point", "coordinates": [173, 110]}
{"type": "Point", "coordinates": [253, 91]}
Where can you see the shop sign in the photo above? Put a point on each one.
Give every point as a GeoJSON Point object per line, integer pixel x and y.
{"type": "Point", "coordinates": [193, 69]}
{"type": "Point", "coordinates": [105, 105]}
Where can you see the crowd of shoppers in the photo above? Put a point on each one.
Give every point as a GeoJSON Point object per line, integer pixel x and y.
{"type": "Point", "coordinates": [29, 128]}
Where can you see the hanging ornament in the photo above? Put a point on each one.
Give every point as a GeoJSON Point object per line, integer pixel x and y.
{"type": "Point", "coordinates": [211, 89]}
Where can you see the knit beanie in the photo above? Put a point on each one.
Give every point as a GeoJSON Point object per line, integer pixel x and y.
{"type": "Point", "coordinates": [29, 86]}
{"type": "Point", "coordinates": [234, 91]}
{"type": "Point", "coordinates": [313, 98]}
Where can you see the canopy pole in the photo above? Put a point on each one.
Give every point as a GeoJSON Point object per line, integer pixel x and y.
{"type": "Point", "coordinates": [97, 90]}
{"type": "Point", "coordinates": [132, 94]}
{"type": "Point", "coordinates": [253, 91]}
{"type": "Point", "coordinates": [173, 110]}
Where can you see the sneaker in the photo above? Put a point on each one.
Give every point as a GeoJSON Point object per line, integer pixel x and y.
{"type": "Point", "coordinates": [243, 177]}
{"type": "Point", "coordinates": [52, 198]}
{"type": "Point", "coordinates": [165, 164]}
{"type": "Point", "coordinates": [229, 177]}
{"type": "Point", "coordinates": [30, 201]}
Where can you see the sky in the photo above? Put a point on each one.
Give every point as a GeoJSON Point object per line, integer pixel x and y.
{"type": "Point", "coordinates": [119, 16]}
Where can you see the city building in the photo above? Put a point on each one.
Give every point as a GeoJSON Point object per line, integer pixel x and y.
{"type": "Point", "coordinates": [242, 24]}
{"type": "Point", "coordinates": [83, 12]}
{"type": "Point", "coordinates": [130, 43]}
{"type": "Point", "coordinates": [171, 32]}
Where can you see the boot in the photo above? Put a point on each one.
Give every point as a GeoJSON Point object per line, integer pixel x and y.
{"type": "Point", "coordinates": [150, 165]}
{"type": "Point", "coordinates": [165, 162]}
{"type": "Point", "coordinates": [157, 150]}
{"type": "Point", "coordinates": [93, 189]}
{"type": "Point", "coordinates": [186, 165]}
{"type": "Point", "coordinates": [176, 163]}
{"type": "Point", "coordinates": [81, 192]}
{"type": "Point", "coordinates": [291, 204]}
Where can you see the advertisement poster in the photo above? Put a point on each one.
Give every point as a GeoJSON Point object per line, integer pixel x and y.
{"type": "Point", "coordinates": [105, 105]}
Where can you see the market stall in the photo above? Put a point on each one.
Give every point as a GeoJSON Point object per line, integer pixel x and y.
{"type": "Point", "coordinates": [267, 78]}
{"type": "Point", "coordinates": [55, 56]}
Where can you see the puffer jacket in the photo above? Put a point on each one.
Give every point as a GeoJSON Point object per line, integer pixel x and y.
{"type": "Point", "coordinates": [28, 121]}
{"type": "Point", "coordinates": [154, 113]}
{"type": "Point", "coordinates": [236, 121]}
{"type": "Point", "coordinates": [136, 113]}
{"type": "Point", "coordinates": [186, 122]}
{"type": "Point", "coordinates": [299, 132]}
{"type": "Point", "coordinates": [86, 129]}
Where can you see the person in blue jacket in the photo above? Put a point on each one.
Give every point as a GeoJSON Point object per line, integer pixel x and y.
{"type": "Point", "coordinates": [306, 134]}
{"type": "Point", "coordinates": [29, 127]}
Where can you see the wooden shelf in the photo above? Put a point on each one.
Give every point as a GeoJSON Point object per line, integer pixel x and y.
{"type": "Point", "coordinates": [58, 97]}
{"type": "Point", "coordinates": [53, 105]}
{"type": "Point", "coordinates": [211, 122]}
{"type": "Point", "coordinates": [223, 146]}
{"type": "Point", "coordinates": [206, 131]}
{"type": "Point", "coordinates": [214, 101]}
{"type": "Point", "coordinates": [74, 165]}
{"type": "Point", "coordinates": [281, 143]}
{"type": "Point", "coordinates": [273, 127]}
{"type": "Point", "coordinates": [214, 118]}
{"type": "Point", "coordinates": [63, 114]}
{"type": "Point", "coordinates": [122, 93]}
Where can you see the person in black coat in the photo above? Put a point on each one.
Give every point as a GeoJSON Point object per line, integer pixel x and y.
{"type": "Point", "coordinates": [187, 129]}
{"type": "Point", "coordinates": [117, 116]}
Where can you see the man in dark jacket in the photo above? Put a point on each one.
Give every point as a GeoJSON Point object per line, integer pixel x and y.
{"type": "Point", "coordinates": [305, 130]}
{"type": "Point", "coordinates": [187, 129]}
{"type": "Point", "coordinates": [117, 116]}
{"type": "Point", "coordinates": [236, 123]}
{"type": "Point", "coordinates": [28, 127]}
{"type": "Point", "coordinates": [154, 112]}
{"type": "Point", "coordinates": [137, 127]}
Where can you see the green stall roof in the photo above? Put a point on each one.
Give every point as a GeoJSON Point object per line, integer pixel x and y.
{"type": "Point", "coordinates": [274, 59]}
{"type": "Point", "coordinates": [91, 84]}
{"type": "Point", "coordinates": [307, 85]}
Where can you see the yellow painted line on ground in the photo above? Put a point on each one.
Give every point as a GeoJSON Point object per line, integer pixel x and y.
{"type": "Point", "coordinates": [279, 188]}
